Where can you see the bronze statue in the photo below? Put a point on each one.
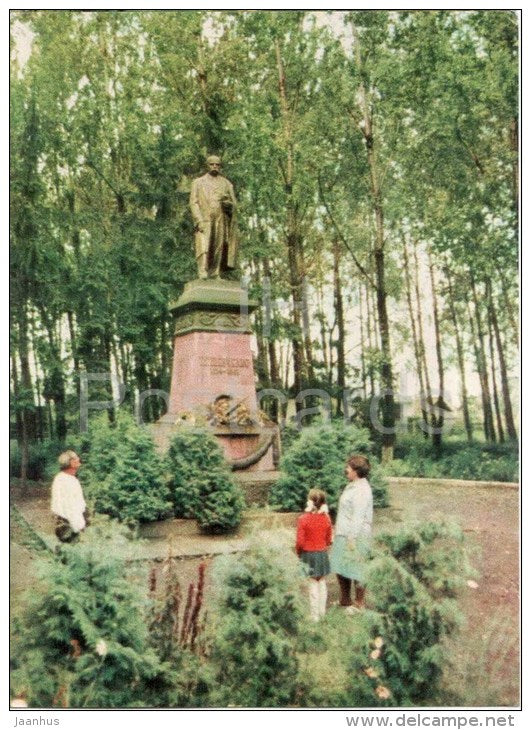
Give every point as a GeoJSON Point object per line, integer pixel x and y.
{"type": "Point", "coordinates": [213, 205]}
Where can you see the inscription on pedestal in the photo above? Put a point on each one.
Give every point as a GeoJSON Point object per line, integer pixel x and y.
{"type": "Point", "coordinates": [224, 365]}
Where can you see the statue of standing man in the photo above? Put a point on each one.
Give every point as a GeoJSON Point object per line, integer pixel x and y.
{"type": "Point", "coordinates": [213, 205]}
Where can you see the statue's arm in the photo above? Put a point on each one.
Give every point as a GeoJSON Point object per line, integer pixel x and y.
{"type": "Point", "coordinates": [194, 204]}
{"type": "Point", "coordinates": [228, 202]}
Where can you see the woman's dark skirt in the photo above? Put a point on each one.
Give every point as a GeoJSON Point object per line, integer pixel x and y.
{"type": "Point", "coordinates": [316, 562]}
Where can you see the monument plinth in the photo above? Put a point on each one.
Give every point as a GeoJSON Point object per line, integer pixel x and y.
{"type": "Point", "coordinates": [212, 381]}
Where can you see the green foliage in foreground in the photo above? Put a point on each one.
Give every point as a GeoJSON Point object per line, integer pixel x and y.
{"type": "Point", "coordinates": [122, 474]}
{"type": "Point", "coordinates": [415, 457]}
{"type": "Point", "coordinates": [253, 657]}
{"type": "Point", "coordinates": [83, 641]}
{"type": "Point", "coordinates": [201, 484]}
{"type": "Point", "coordinates": [317, 459]}
{"type": "Point", "coordinates": [413, 579]}
{"type": "Point", "coordinates": [395, 652]}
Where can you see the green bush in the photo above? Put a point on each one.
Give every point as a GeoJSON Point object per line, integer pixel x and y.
{"type": "Point", "coordinates": [434, 552]}
{"type": "Point", "coordinates": [201, 484]}
{"type": "Point", "coordinates": [458, 459]}
{"type": "Point", "coordinates": [42, 464]}
{"type": "Point", "coordinates": [339, 671]}
{"type": "Point", "coordinates": [395, 651]}
{"type": "Point", "coordinates": [412, 580]}
{"type": "Point", "coordinates": [317, 459]}
{"type": "Point", "coordinates": [122, 474]}
{"type": "Point", "coordinates": [413, 625]}
{"type": "Point", "coordinates": [82, 640]}
{"type": "Point", "coordinates": [253, 657]}
{"type": "Point", "coordinates": [288, 435]}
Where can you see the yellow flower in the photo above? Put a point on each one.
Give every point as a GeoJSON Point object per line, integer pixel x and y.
{"type": "Point", "coordinates": [371, 672]}
{"type": "Point", "coordinates": [375, 654]}
{"type": "Point", "coordinates": [378, 642]}
{"type": "Point", "coordinates": [382, 692]}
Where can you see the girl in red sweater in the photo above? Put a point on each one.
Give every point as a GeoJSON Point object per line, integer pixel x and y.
{"type": "Point", "coordinates": [314, 537]}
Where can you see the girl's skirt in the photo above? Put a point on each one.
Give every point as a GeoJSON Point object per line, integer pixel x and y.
{"type": "Point", "coordinates": [349, 561]}
{"type": "Point", "coordinates": [316, 562]}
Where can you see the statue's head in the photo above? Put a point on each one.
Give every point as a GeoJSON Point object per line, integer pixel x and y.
{"type": "Point", "coordinates": [213, 164]}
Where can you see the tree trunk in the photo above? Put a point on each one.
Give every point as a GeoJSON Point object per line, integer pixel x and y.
{"type": "Point", "coordinates": [340, 319]}
{"type": "Point", "coordinates": [55, 376]}
{"type": "Point", "coordinates": [422, 345]}
{"type": "Point", "coordinates": [513, 141]}
{"type": "Point", "coordinates": [25, 392]}
{"type": "Point", "coordinates": [307, 338]}
{"type": "Point", "coordinates": [501, 435]}
{"type": "Point", "coordinates": [261, 364]}
{"type": "Point", "coordinates": [507, 406]}
{"type": "Point", "coordinates": [460, 359]}
{"type": "Point", "coordinates": [509, 308]}
{"type": "Point", "coordinates": [73, 345]}
{"type": "Point", "coordinates": [293, 240]}
{"type": "Point", "coordinates": [275, 378]}
{"type": "Point", "coordinates": [416, 344]}
{"type": "Point", "coordinates": [362, 343]}
{"type": "Point", "coordinates": [324, 332]}
{"type": "Point", "coordinates": [438, 418]}
{"type": "Point", "coordinates": [16, 390]}
{"type": "Point", "coordinates": [477, 340]}
{"type": "Point", "coordinates": [370, 338]}
{"type": "Point", "coordinates": [386, 370]}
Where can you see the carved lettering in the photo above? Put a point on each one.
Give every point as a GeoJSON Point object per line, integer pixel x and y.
{"type": "Point", "coordinates": [224, 365]}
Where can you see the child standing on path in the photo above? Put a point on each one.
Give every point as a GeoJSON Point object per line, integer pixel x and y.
{"type": "Point", "coordinates": [314, 536]}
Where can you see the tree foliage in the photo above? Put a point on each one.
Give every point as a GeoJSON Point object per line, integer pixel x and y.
{"type": "Point", "coordinates": [350, 138]}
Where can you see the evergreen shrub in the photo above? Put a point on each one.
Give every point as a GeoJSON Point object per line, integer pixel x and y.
{"type": "Point", "coordinates": [457, 459]}
{"type": "Point", "coordinates": [317, 459]}
{"type": "Point", "coordinates": [395, 651]}
{"type": "Point", "coordinates": [200, 481]}
{"type": "Point", "coordinates": [347, 669]}
{"type": "Point", "coordinates": [259, 613]}
{"type": "Point", "coordinates": [122, 474]}
{"type": "Point", "coordinates": [434, 552]}
{"type": "Point", "coordinates": [82, 640]}
{"type": "Point", "coordinates": [413, 625]}
{"type": "Point", "coordinates": [412, 580]}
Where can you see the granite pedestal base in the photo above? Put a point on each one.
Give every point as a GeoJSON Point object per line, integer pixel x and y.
{"type": "Point", "coordinates": [213, 382]}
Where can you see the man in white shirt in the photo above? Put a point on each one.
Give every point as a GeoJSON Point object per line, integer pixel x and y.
{"type": "Point", "coordinates": [68, 504]}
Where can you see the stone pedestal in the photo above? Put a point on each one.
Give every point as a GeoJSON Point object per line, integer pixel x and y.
{"type": "Point", "coordinates": [212, 380]}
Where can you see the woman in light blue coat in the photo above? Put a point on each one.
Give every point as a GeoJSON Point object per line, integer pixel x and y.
{"type": "Point", "coordinates": [353, 530]}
